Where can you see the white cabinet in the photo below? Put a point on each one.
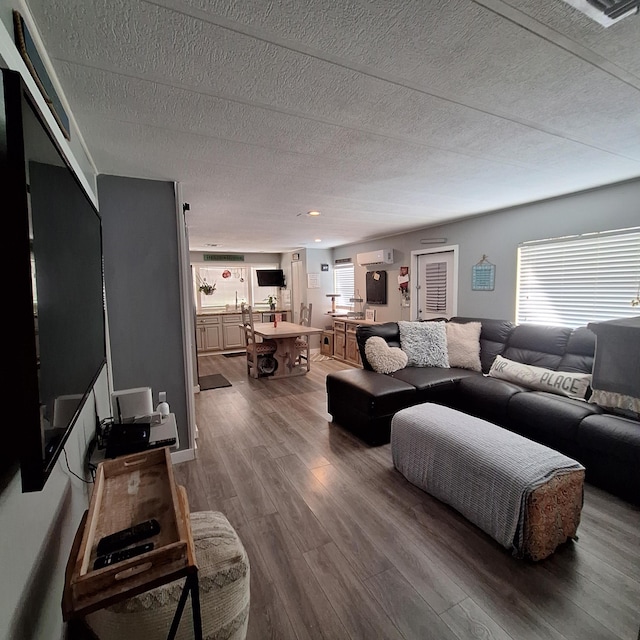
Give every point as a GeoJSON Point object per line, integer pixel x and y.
{"type": "Point", "coordinates": [232, 332]}
{"type": "Point", "coordinates": [208, 334]}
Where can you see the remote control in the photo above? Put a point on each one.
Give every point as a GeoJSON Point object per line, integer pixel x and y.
{"type": "Point", "coordinates": [122, 539]}
{"type": "Point", "coordinates": [119, 556]}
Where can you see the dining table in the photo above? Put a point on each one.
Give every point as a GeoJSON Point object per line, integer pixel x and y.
{"type": "Point", "coordinates": [284, 334]}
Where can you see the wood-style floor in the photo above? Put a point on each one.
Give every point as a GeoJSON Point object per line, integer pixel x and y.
{"type": "Point", "coordinates": [342, 546]}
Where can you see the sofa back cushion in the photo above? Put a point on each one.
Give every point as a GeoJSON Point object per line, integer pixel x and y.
{"type": "Point", "coordinates": [538, 345]}
{"type": "Point", "coordinates": [493, 338]}
{"type": "Point", "coordinates": [580, 351]}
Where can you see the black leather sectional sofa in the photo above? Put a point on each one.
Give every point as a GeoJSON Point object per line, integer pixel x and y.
{"type": "Point", "coordinates": [607, 444]}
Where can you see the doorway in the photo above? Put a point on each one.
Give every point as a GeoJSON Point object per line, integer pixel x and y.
{"type": "Point", "coordinates": [435, 288]}
{"type": "Point", "coordinates": [296, 289]}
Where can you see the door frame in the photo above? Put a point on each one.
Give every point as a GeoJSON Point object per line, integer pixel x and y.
{"type": "Point", "coordinates": [452, 248]}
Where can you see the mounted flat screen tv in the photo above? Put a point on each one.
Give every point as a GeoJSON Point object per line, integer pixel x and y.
{"type": "Point", "coordinates": [270, 277]}
{"type": "Point", "coordinates": [57, 320]}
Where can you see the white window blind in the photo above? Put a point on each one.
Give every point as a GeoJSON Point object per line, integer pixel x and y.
{"type": "Point", "coordinates": [573, 281]}
{"type": "Point", "coordinates": [343, 280]}
{"type": "Point", "coordinates": [436, 287]}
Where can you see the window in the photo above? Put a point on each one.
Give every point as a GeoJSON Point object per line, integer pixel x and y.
{"type": "Point", "coordinates": [232, 284]}
{"type": "Point", "coordinates": [575, 280]}
{"type": "Point", "coordinates": [343, 284]}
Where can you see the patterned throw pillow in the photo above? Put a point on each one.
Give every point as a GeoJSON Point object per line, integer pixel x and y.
{"type": "Point", "coordinates": [382, 357]}
{"type": "Point", "coordinates": [463, 345]}
{"type": "Point", "coordinates": [562, 383]}
{"type": "Point", "coordinates": [425, 343]}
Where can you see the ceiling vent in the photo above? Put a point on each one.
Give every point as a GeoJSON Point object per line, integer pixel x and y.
{"type": "Point", "coordinates": [606, 12]}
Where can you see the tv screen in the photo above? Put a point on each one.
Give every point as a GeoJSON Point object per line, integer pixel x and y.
{"type": "Point", "coordinates": [58, 319]}
{"type": "Point", "coordinates": [270, 277]}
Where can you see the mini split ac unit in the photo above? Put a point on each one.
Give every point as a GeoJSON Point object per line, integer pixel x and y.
{"type": "Point", "coordinates": [382, 256]}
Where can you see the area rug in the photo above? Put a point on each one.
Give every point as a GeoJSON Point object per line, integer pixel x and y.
{"type": "Point", "coordinates": [235, 354]}
{"type": "Point", "coordinates": [215, 381]}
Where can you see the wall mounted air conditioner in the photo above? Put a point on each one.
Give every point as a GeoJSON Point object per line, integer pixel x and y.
{"type": "Point", "coordinates": [382, 256]}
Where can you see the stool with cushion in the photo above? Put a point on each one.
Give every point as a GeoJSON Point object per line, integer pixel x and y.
{"type": "Point", "coordinates": [224, 592]}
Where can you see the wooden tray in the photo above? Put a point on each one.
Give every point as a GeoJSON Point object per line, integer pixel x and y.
{"type": "Point", "coordinates": [129, 490]}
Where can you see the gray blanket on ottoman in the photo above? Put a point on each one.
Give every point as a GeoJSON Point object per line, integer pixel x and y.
{"type": "Point", "coordinates": [483, 471]}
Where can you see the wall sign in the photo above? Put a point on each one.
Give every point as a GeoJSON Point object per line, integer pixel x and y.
{"type": "Point", "coordinates": [483, 275]}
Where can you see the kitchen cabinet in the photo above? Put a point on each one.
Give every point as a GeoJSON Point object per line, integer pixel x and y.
{"type": "Point", "coordinates": [208, 334]}
{"type": "Point", "coordinates": [345, 344]}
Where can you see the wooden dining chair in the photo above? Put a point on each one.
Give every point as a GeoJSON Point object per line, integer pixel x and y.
{"type": "Point", "coordinates": [303, 352]}
{"type": "Point", "coordinates": [256, 347]}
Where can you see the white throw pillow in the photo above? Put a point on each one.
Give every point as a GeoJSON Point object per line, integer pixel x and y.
{"type": "Point", "coordinates": [463, 345]}
{"type": "Point", "coordinates": [425, 343]}
{"type": "Point", "coordinates": [562, 383]}
{"type": "Point", "coordinates": [382, 357]}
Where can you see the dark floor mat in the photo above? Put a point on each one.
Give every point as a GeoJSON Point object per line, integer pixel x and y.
{"type": "Point", "coordinates": [215, 381]}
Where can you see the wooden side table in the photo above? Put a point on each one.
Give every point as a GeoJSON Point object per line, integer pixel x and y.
{"type": "Point", "coordinates": [129, 490]}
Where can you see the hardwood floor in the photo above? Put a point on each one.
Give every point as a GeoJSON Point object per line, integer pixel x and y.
{"type": "Point", "coordinates": [342, 546]}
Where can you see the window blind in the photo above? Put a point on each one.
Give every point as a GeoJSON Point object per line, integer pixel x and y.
{"type": "Point", "coordinates": [344, 284]}
{"type": "Point", "coordinates": [436, 287]}
{"type": "Point", "coordinates": [573, 281]}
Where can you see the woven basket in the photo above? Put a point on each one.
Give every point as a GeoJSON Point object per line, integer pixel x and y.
{"type": "Point", "coordinates": [224, 592]}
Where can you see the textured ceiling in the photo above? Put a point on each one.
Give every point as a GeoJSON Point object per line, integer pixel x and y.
{"type": "Point", "coordinates": [385, 116]}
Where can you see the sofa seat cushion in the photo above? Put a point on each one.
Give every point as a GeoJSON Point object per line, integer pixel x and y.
{"type": "Point", "coordinates": [426, 377]}
{"type": "Point", "coordinates": [370, 393]}
{"type": "Point", "coordinates": [612, 435]}
{"type": "Point", "coordinates": [551, 419]}
{"type": "Point", "coordinates": [485, 397]}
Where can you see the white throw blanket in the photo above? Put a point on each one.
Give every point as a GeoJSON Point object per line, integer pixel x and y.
{"type": "Point", "coordinates": [483, 471]}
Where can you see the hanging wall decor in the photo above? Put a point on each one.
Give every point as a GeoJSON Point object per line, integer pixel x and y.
{"type": "Point", "coordinates": [483, 275]}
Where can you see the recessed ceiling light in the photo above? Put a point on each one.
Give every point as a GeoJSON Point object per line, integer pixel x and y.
{"type": "Point", "coordinates": [318, 240]}
{"type": "Point", "coordinates": [313, 213]}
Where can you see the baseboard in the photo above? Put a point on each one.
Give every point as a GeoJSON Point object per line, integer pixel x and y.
{"type": "Point", "coordinates": [184, 455]}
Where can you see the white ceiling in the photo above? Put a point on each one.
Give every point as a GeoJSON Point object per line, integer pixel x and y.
{"type": "Point", "coordinates": [384, 115]}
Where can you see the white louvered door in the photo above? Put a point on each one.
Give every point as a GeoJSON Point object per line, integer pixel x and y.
{"type": "Point", "coordinates": [435, 285]}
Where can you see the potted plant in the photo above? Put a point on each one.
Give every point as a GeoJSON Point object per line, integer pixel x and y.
{"type": "Point", "coordinates": [205, 287]}
{"type": "Point", "coordinates": [272, 302]}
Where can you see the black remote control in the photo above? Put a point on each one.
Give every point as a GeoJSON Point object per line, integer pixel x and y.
{"type": "Point", "coordinates": [122, 539]}
{"type": "Point", "coordinates": [119, 556]}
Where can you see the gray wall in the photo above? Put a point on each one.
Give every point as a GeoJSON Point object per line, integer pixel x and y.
{"type": "Point", "coordinates": [497, 235]}
{"type": "Point", "coordinates": [142, 289]}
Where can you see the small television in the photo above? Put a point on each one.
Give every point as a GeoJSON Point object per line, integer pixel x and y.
{"type": "Point", "coordinates": [55, 281]}
{"type": "Point", "coordinates": [270, 277]}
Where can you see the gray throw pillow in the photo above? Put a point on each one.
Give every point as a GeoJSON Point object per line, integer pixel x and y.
{"type": "Point", "coordinates": [425, 343]}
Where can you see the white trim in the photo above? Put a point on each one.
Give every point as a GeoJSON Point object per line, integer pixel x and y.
{"type": "Point", "coordinates": [186, 313]}
{"type": "Point", "coordinates": [184, 455]}
{"type": "Point", "coordinates": [455, 249]}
